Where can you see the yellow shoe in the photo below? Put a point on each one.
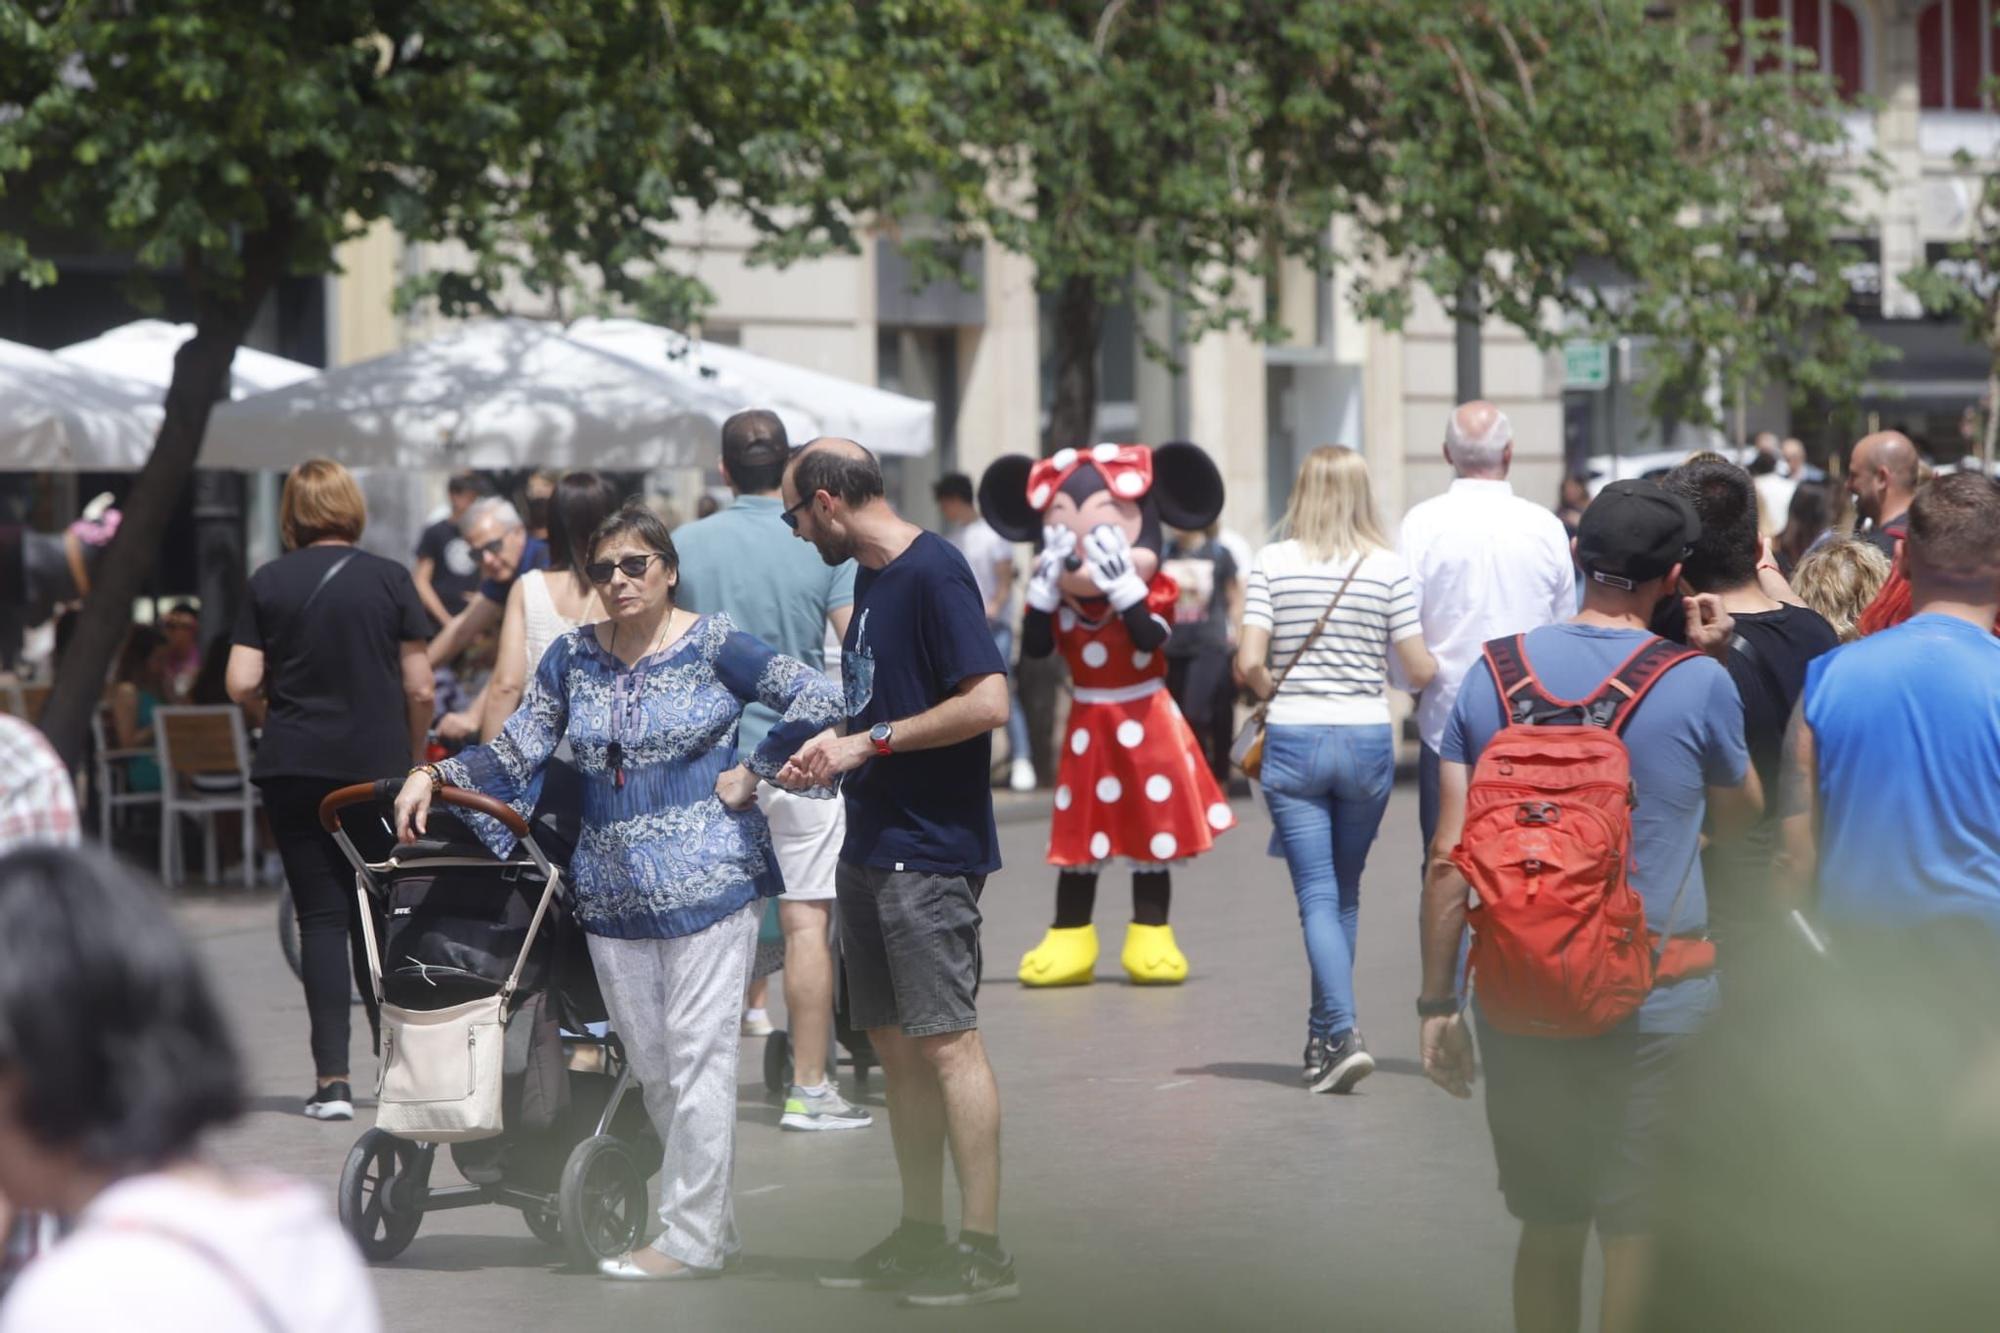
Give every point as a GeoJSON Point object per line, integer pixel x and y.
{"type": "Point", "coordinates": [1151, 957]}
{"type": "Point", "coordinates": [1067, 956]}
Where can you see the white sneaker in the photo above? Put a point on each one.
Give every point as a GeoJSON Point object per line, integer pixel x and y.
{"type": "Point", "coordinates": [1022, 778]}
{"type": "Point", "coordinates": [822, 1108]}
{"type": "Point", "coordinates": [757, 1023]}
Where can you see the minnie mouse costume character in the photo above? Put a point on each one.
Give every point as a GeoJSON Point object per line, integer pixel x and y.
{"type": "Point", "coordinates": [1133, 783]}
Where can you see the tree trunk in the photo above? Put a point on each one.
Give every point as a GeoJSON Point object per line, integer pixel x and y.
{"type": "Point", "coordinates": [1079, 323]}
{"type": "Point", "coordinates": [1470, 382]}
{"type": "Point", "coordinates": [201, 376]}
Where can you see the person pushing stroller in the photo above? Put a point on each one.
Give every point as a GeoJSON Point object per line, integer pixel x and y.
{"type": "Point", "coordinates": [673, 851]}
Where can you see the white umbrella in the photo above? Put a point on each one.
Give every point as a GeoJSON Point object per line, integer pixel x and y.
{"type": "Point", "coordinates": [58, 417]}
{"type": "Point", "coordinates": [144, 350]}
{"type": "Point", "coordinates": [888, 423]}
{"type": "Point", "coordinates": [506, 393]}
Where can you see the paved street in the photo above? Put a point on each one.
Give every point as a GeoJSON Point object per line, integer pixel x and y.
{"type": "Point", "coordinates": [1164, 1169]}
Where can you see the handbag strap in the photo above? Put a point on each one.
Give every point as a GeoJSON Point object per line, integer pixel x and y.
{"type": "Point", "coordinates": [1319, 626]}
{"type": "Point", "coordinates": [368, 934]}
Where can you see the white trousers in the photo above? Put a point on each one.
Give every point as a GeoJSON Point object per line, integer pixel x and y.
{"type": "Point", "coordinates": [677, 1007]}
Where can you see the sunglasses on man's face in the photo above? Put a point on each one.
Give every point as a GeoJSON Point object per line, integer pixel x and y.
{"type": "Point", "coordinates": [632, 567]}
{"type": "Point", "coordinates": [491, 548]}
{"type": "Point", "coordinates": [791, 516]}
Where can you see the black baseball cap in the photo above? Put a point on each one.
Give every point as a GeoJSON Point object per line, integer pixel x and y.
{"type": "Point", "coordinates": [1634, 531]}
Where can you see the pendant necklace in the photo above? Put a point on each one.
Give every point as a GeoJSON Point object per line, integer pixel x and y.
{"type": "Point", "coordinates": [625, 712]}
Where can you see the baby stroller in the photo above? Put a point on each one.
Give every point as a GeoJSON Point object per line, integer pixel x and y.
{"type": "Point", "coordinates": [575, 1149]}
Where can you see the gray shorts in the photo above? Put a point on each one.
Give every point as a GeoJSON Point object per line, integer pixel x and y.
{"type": "Point", "coordinates": [911, 942]}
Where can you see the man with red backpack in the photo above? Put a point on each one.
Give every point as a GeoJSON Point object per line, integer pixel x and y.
{"type": "Point", "coordinates": [1578, 765]}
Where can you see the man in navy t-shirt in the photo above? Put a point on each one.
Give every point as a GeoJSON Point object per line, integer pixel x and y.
{"type": "Point", "coordinates": [925, 689]}
{"type": "Point", "coordinates": [1896, 742]}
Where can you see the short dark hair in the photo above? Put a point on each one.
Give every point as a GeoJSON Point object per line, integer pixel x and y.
{"type": "Point", "coordinates": [1955, 527]}
{"type": "Point", "coordinates": [466, 483]}
{"type": "Point", "coordinates": [106, 1019]}
{"type": "Point", "coordinates": [854, 480]}
{"type": "Point", "coordinates": [637, 519]}
{"type": "Point", "coordinates": [755, 449]}
{"type": "Point", "coordinates": [953, 486]}
{"type": "Point", "coordinates": [583, 500]}
{"type": "Point", "coordinates": [1724, 497]}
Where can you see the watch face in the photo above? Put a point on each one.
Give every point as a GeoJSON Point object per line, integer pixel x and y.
{"type": "Point", "coordinates": [879, 732]}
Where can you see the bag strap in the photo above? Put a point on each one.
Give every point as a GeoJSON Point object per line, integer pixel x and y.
{"type": "Point", "coordinates": [1674, 907]}
{"type": "Point", "coordinates": [1319, 626]}
{"type": "Point", "coordinates": [1620, 695]}
{"type": "Point", "coordinates": [218, 1263]}
{"type": "Point", "coordinates": [299, 646]}
{"type": "Point", "coordinates": [1610, 706]}
{"type": "Point", "coordinates": [549, 891]}
{"type": "Point", "coordinates": [368, 934]}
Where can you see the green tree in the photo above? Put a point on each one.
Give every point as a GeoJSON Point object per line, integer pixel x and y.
{"type": "Point", "coordinates": [1965, 285]}
{"type": "Point", "coordinates": [1496, 153]}
{"type": "Point", "coordinates": [235, 141]}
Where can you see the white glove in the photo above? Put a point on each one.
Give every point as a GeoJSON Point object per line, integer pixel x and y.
{"type": "Point", "coordinates": [1045, 584]}
{"type": "Point", "coordinates": [1109, 556]}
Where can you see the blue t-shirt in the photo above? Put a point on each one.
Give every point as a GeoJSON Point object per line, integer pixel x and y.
{"type": "Point", "coordinates": [1906, 732]}
{"type": "Point", "coordinates": [534, 555]}
{"type": "Point", "coordinates": [745, 561]}
{"type": "Point", "coordinates": [1686, 737]}
{"type": "Point", "coordinates": [919, 629]}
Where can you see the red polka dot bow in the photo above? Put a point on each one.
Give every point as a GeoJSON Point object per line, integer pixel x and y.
{"type": "Point", "coordinates": [1127, 469]}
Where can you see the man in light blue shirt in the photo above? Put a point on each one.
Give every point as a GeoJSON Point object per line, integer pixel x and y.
{"type": "Point", "coordinates": [743, 560]}
{"type": "Point", "coordinates": [1888, 788]}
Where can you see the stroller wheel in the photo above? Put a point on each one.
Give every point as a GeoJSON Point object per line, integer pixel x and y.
{"type": "Point", "coordinates": [382, 1191]}
{"type": "Point", "coordinates": [602, 1203]}
{"type": "Point", "coordinates": [546, 1223]}
{"type": "Point", "coordinates": [778, 1062]}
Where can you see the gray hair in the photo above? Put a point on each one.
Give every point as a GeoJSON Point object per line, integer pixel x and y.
{"type": "Point", "coordinates": [495, 507]}
{"type": "Point", "coordinates": [1480, 452]}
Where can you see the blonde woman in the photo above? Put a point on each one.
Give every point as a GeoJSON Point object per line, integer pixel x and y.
{"type": "Point", "coordinates": [1328, 758]}
{"type": "Point", "coordinates": [1839, 580]}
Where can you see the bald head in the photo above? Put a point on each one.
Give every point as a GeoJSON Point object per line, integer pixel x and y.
{"type": "Point", "coordinates": [1882, 473]}
{"type": "Point", "coordinates": [843, 469]}
{"type": "Point", "coordinates": [1479, 440]}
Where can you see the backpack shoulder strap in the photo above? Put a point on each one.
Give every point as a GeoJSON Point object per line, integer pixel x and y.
{"type": "Point", "coordinates": [1522, 698]}
{"type": "Point", "coordinates": [1620, 695]}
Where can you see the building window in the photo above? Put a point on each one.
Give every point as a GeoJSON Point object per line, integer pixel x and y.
{"type": "Point", "coordinates": [1831, 29]}
{"type": "Point", "coordinates": [1957, 51]}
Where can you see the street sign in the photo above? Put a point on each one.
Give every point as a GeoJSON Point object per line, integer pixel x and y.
{"type": "Point", "coordinates": [1586, 365]}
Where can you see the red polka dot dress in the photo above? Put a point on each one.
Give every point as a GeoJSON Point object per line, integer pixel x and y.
{"type": "Point", "coordinates": [1132, 783]}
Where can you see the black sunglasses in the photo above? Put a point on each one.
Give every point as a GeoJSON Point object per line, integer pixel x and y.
{"type": "Point", "coordinates": [791, 516]}
{"type": "Point", "coordinates": [632, 567]}
{"type": "Point", "coordinates": [490, 548]}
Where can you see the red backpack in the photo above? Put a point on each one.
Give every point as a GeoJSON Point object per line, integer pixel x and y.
{"type": "Point", "coordinates": [1559, 940]}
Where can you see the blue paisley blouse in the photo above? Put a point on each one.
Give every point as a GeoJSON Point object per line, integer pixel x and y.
{"type": "Point", "coordinates": [660, 856]}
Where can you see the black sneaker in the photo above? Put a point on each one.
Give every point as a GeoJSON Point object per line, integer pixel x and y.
{"type": "Point", "coordinates": [894, 1264]}
{"type": "Point", "coordinates": [1315, 1053]}
{"type": "Point", "coordinates": [962, 1275]}
{"type": "Point", "coordinates": [1342, 1064]}
{"type": "Point", "coordinates": [335, 1101]}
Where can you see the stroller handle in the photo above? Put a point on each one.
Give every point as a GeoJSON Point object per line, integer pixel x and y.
{"type": "Point", "coordinates": [383, 792]}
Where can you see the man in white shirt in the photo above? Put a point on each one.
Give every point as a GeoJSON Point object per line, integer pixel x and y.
{"type": "Point", "coordinates": [1486, 563]}
{"type": "Point", "coordinates": [992, 559]}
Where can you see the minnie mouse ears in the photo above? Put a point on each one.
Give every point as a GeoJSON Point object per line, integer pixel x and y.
{"type": "Point", "coordinates": [1186, 491]}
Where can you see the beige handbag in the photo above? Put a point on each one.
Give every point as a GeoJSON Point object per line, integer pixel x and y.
{"type": "Point", "coordinates": [1247, 750]}
{"type": "Point", "coordinates": [442, 1068]}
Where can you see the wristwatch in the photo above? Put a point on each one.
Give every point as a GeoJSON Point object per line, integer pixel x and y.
{"type": "Point", "coordinates": [1444, 1008]}
{"type": "Point", "coordinates": [879, 734]}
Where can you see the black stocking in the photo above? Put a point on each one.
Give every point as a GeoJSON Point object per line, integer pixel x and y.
{"type": "Point", "coordinates": [1076, 898]}
{"type": "Point", "coordinates": [1152, 892]}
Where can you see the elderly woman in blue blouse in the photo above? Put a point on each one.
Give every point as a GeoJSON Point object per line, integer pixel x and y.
{"type": "Point", "coordinates": [673, 852]}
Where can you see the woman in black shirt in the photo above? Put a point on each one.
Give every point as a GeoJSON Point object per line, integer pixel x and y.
{"type": "Point", "coordinates": [331, 640]}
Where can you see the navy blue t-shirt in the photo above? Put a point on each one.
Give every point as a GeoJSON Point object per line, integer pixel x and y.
{"type": "Point", "coordinates": [919, 629]}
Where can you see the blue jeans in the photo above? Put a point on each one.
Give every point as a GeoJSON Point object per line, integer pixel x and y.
{"type": "Point", "coordinates": [1327, 788]}
{"type": "Point", "coordinates": [1017, 721]}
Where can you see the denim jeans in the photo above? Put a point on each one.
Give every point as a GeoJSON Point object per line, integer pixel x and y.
{"type": "Point", "coordinates": [1327, 788]}
{"type": "Point", "coordinates": [1017, 721]}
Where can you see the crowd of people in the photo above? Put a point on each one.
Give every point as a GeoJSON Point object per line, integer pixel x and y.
{"type": "Point", "coordinates": [1661, 733]}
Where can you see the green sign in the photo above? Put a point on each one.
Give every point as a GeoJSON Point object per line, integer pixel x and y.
{"type": "Point", "coordinates": [1586, 365]}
